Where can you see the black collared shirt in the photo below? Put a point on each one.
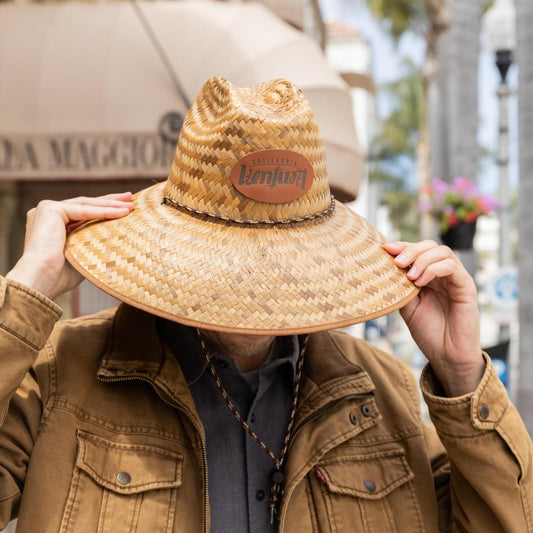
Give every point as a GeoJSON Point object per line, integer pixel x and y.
{"type": "Point", "coordinates": [239, 469]}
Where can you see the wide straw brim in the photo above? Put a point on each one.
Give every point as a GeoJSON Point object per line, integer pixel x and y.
{"type": "Point", "coordinates": [301, 277]}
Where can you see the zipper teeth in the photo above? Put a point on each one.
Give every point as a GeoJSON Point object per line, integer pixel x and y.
{"type": "Point", "coordinates": [191, 419]}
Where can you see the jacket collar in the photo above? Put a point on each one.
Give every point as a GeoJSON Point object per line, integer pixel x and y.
{"type": "Point", "coordinates": [136, 350]}
{"type": "Point", "coordinates": [184, 344]}
{"type": "Point", "coordinates": [329, 376]}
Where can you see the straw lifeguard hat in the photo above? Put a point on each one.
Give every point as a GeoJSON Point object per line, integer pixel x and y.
{"type": "Point", "coordinates": [244, 235]}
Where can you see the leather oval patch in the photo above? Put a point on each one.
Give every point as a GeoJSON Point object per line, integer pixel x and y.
{"type": "Point", "coordinates": [272, 176]}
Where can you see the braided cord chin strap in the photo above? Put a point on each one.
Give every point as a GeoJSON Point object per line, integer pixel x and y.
{"type": "Point", "coordinates": [276, 476]}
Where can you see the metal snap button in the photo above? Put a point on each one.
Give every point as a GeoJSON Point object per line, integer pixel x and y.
{"type": "Point", "coordinates": [260, 495]}
{"type": "Point", "coordinates": [369, 486]}
{"type": "Point", "coordinates": [484, 411]}
{"type": "Point", "coordinates": [366, 410]}
{"type": "Point", "coordinates": [353, 419]}
{"type": "Point", "coordinates": [124, 478]}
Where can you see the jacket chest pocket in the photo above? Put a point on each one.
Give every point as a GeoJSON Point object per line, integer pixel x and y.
{"type": "Point", "coordinates": [121, 487]}
{"type": "Point", "coordinates": [370, 493]}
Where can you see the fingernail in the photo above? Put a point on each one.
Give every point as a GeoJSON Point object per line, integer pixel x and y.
{"type": "Point", "coordinates": [400, 259]}
{"type": "Point", "coordinates": [413, 272]}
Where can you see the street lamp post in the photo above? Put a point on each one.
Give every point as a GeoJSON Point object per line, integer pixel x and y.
{"type": "Point", "coordinates": [500, 29]}
{"type": "Point", "coordinates": [503, 159]}
{"type": "Point", "coordinates": [500, 26]}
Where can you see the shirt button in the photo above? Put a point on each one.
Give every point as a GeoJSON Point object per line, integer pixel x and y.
{"type": "Point", "coordinates": [353, 419]}
{"type": "Point", "coordinates": [369, 486]}
{"type": "Point", "coordinates": [260, 495]}
{"type": "Point", "coordinates": [484, 412]}
{"type": "Point", "coordinates": [222, 364]}
{"type": "Point", "coordinates": [366, 410]}
{"type": "Point", "coordinates": [124, 478]}
{"type": "Point", "coordinates": [252, 418]}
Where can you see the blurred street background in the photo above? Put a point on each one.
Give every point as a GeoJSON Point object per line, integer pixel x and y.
{"type": "Point", "coordinates": [93, 94]}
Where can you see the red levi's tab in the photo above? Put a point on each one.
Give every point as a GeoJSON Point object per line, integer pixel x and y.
{"type": "Point", "coordinates": [319, 475]}
{"type": "Point", "coordinates": [272, 176]}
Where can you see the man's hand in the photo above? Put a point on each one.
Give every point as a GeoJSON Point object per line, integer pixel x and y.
{"type": "Point", "coordinates": [444, 317]}
{"type": "Point", "coordinates": [43, 266]}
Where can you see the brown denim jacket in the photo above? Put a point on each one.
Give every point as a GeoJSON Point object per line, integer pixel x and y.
{"type": "Point", "coordinates": [100, 434]}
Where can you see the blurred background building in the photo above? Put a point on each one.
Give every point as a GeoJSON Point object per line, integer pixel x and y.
{"type": "Point", "coordinates": [92, 95]}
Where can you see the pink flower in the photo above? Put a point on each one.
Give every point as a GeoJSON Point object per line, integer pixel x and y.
{"type": "Point", "coordinates": [464, 185]}
{"type": "Point", "coordinates": [452, 202]}
{"type": "Point", "coordinates": [489, 204]}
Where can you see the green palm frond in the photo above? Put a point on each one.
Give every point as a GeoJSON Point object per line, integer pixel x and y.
{"type": "Point", "coordinates": [399, 16]}
{"type": "Point", "coordinates": [400, 131]}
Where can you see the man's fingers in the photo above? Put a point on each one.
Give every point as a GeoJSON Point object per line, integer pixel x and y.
{"type": "Point", "coordinates": [108, 206]}
{"type": "Point", "coordinates": [423, 274]}
{"type": "Point", "coordinates": [425, 260]}
{"type": "Point", "coordinates": [84, 208]}
{"type": "Point", "coordinates": [107, 199]}
{"type": "Point", "coordinates": [74, 211]}
{"type": "Point", "coordinates": [83, 212]}
{"type": "Point", "coordinates": [406, 253]}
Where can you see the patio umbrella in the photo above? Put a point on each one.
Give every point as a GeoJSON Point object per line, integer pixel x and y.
{"type": "Point", "coordinates": [89, 89]}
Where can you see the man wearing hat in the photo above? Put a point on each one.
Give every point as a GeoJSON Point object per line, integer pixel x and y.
{"type": "Point", "coordinates": [217, 397]}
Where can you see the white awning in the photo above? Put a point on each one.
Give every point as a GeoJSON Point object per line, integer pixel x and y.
{"type": "Point", "coordinates": [84, 91]}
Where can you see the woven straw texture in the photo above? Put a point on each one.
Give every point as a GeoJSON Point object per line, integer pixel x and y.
{"type": "Point", "coordinates": [203, 271]}
{"type": "Point", "coordinates": [224, 124]}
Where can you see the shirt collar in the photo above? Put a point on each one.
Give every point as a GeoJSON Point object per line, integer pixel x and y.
{"type": "Point", "coordinates": [285, 349]}
{"type": "Point", "coordinates": [186, 347]}
{"type": "Point", "coordinates": [184, 343]}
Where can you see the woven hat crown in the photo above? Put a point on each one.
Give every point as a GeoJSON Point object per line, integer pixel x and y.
{"type": "Point", "coordinates": [226, 123]}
